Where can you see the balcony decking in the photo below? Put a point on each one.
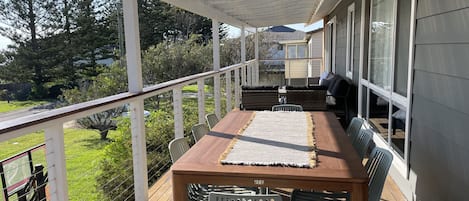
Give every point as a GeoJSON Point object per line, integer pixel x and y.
{"type": "Point", "coordinates": [162, 190]}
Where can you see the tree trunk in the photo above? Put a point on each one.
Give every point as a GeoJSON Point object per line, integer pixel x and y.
{"type": "Point", "coordinates": [103, 134]}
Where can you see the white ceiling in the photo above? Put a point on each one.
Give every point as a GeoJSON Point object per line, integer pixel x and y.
{"type": "Point", "coordinates": [259, 13]}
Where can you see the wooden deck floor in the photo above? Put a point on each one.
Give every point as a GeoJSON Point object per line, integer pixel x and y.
{"type": "Point", "coordinates": [162, 190]}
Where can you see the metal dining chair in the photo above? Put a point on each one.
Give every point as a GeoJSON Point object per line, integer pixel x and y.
{"type": "Point", "coordinates": [197, 192]}
{"type": "Point", "coordinates": [212, 120]}
{"type": "Point", "coordinates": [377, 168]}
{"type": "Point", "coordinates": [219, 196]}
{"type": "Point", "coordinates": [362, 142]}
{"type": "Point", "coordinates": [177, 148]}
{"type": "Point", "coordinates": [198, 131]}
{"type": "Point", "coordinates": [354, 128]}
{"type": "Point", "coordinates": [287, 108]}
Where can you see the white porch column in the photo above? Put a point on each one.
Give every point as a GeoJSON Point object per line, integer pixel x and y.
{"type": "Point", "coordinates": [134, 73]}
{"type": "Point", "coordinates": [216, 66]}
{"type": "Point", "coordinates": [178, 115]}
{"type": "Point", "coordinates": [201, 100]}
{"type": "Point", "coordinates": [228, 91]}
{"type": "Point", "coordinates": [55, 157]}
{"type": "Point", "coordinates": [243, 56]}
{"type": "Point", "coordinates": [256, 56]}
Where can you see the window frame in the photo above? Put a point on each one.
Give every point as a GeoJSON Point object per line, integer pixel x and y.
{"type": "Point", "coordinates": [350, 40]}
{"type": "Point", "coordinates": [331, 40]}
{"type": "Point", "coordinates": [367, 87]}
{"type": "Point", "coordinates": [296, 45]}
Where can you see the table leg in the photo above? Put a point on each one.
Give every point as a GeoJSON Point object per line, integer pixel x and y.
{"type": "Point", "coordinates": [359, 192]}
{"type": "Point", "coordinates": [179, 188]}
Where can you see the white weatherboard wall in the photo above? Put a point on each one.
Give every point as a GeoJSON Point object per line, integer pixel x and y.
{"type": "Point", "coordinates": [315, 51]}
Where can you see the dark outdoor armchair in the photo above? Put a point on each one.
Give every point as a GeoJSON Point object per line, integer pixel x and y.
{"type": "Point", "coordinates": [259, 97]}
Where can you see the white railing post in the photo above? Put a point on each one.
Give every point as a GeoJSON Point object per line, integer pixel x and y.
{"type": "Point", "coordinates": [55, 157]}
{"type": "Point", "coordinates": [201, 100]}
{"type": "Point", "coordinates": [249, 72]}
{"type": "Point", "coordinates": [134, 73]}
{"type": "Point", "coordinates": [236, 86]}
{"type": "Point", "coordinates": [256, 56]}
{"type": "Point", "coordinates": [228, 91]}
{"type": "Point", "coordinates": [178, 115]}
{"type": "Point", "coordinates": [216, 95]}
{"type": "Point", "coordinates": [243, 56]}
{"type": "Point", "coordinates": [216, 66]}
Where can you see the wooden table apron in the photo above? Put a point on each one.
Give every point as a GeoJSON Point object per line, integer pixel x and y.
{"type": "Point", "coordinates": [339, 167]}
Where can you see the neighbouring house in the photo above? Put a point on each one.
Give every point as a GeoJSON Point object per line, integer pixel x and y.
{"type": "Point", "coordinates": [295, 54]}
{"type": "Point", "coordinates": [303, 59]}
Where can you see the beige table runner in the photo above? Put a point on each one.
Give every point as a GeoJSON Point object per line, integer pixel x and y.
{"type": "Point", "coordinates": [274, 139]}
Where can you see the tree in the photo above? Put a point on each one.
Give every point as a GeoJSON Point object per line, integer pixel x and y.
{"type": "Point", "coordinates": [161, 22]}
{"type": "Point", "coordinates": [115, 178]}
{"type": "Point", "coordinates": [187, 24]}
{"type": "Point", "coordinates": [230, 51]}
{"type": "Point", "coordinates": [94, 38]}
{"type": "Point", "coordinates": [26, 24]}
{"type": "Point", "coordinates": [111, 81]}
{"type": "Point", "coordinates": [170, 60]}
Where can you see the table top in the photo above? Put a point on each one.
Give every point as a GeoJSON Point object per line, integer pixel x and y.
{"type": "Point", "coordinates": [337, 159]}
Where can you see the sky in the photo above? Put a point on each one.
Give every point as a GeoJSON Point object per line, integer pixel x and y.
{"type": "Point", "coordinates": [4, 42]}
{"type": "Point", "coordinates": [233, 32]}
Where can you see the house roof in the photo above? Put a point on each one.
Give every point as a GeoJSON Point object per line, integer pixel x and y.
{"type": "Point", "coordinates": [280, 29]}
{"type": "Point", "coordinates": [259, 13]}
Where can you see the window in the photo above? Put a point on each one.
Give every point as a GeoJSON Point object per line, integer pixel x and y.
{"type": "Point", "coordinates": [350, 40]}
{"type": "Point", "coordinates": [296, 51]}
{"type": "Point", "coordinates": [301, 51]}
{"type": "Point", "coordinates": [402, 48]}
{"type": "Point", "coordinates": [330, 45]}
{"type": "Point", "coordinates": [291, 51]}
{"type": "Point", "coordinates": [381, 51]}
{"type": "Point", "coordinates": [385, 81]}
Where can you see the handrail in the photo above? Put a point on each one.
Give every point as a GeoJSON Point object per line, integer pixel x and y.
{"type": "Point", "coordinates": [31, 123]}
{"type": "Point", "coordinates": [292, 59]}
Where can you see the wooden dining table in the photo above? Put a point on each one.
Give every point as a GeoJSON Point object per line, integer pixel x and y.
{"type": "Point", "coordinates": [338, 168]}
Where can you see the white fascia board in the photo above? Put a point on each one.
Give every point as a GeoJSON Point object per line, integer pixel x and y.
{"type": "Point", "coordinates": [324, 8]}
{"type": "Point", "coordinates": [200, 8]}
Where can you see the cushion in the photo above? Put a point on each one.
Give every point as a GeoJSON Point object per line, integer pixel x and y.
{"type": "Point", "coordinates": [400, 114]}
{"type": "Point", "coordinates": [340, 87]}
{"type": "Point", "coordinates": [329, 81]}
{"type": "Point", "coordinates": [330, 100]}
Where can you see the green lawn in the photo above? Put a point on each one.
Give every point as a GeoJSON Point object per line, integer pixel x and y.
{"type": "Point", "coordinates": [16, 105]}
{"type": "Point", "coordinates": [83, 150]}
{"type": "Point", "coordinates": [193, 88]}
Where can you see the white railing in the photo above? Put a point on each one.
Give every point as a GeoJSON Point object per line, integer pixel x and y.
{"type": "Point", "coordinates": [52, 121]}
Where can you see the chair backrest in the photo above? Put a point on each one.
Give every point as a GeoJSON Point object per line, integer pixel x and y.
{"type": "Point", "coordinates": [212, 120]}
{"type": "Point", "coordinates": [198, 131]}
{"type": "Point", "coordinates": [377, 168]}
{"type": "Point", "coordinates": [362, 142]}
{"type": "Point", "coordinates": [218, 196]}
{"type": "Point", "coordinates": [287, 107]}
{"type": "Point", "coordinates": [354, 128]}
{"type": "Point", "coordinates": [177, 148]}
